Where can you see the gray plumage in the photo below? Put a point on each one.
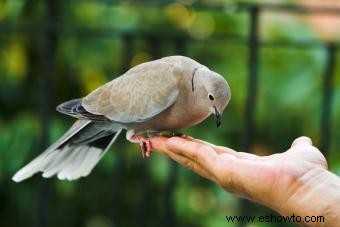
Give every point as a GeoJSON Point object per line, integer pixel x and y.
{"type": "Point", "coordinates": [166, 94]}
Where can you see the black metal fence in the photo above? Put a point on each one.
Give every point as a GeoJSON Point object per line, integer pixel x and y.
{"type": "Point", "coordinates": [52, 28]}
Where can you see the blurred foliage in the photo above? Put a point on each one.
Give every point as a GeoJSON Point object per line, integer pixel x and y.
{"type": "Point", "coordinates": [125, 190]}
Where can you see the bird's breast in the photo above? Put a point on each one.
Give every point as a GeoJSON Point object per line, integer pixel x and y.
{"type": "Point", "coordinates": [175, 117]}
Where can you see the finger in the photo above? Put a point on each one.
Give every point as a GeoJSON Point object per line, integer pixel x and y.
{"type": "Point", "coordinates": [218, 149]}
{"type": "Point", "coordinates": [303, 140]}
{"type": "Point", "coordinates": [158, 144]}
{"type": "Point", "coordinates": [200, 153]}
{"type": "Point", "coordinates": [239, 155]}
{"type": "Point", "coordinates": [223, 150]}
{"type": "Point", "coordinates": [190, 164]}
{"type": "Point", "coordinates": [199, 141]}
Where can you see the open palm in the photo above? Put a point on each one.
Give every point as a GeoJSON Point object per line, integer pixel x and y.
{"type": "Point", "coordinates": [270, 180]}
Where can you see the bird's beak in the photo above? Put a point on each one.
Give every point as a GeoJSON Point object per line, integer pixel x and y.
{"type": "Point", "coordinates": [218, 117]}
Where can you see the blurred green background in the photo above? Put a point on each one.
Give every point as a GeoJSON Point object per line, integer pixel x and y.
{"type": "Point", "coordinates": [53, 51]}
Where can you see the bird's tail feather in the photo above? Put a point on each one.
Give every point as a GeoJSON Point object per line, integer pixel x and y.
{"type": "Point", "coordinates": [74, 155]}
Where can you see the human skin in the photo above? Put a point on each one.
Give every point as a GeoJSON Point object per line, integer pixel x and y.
{"type": "Point", "coordinates": [295, 182]}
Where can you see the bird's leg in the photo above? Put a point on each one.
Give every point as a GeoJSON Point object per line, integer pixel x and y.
{"type": "Point", "coordinates": [144, 143]}
{"type": "Point", "coordinates": [178, 134]}
{"type": "Point", "coordinates": [173, 134]}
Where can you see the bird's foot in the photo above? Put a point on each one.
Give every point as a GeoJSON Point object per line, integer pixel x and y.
{"type": "Point", "coordinates": [144, 144]}
{"type": "Point", "coordinates": [173, 134]}
{"type": "Point", "coordinates": [178, 134]}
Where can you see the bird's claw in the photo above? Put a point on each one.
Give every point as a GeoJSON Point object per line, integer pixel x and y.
{"type": "Point", "coordinates": [145, 147]}
{"type": "Point", "coordinates": [178, 134]}
{"type": "Point", "coordinates": [144, 144]}
{"type": "Point", "coordinates": [174, 134]}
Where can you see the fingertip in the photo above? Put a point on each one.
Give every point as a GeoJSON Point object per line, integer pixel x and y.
{"type": "Point", "coordinates": [303, 140]}
{"type": "Point", "coordinates": [158, 143]}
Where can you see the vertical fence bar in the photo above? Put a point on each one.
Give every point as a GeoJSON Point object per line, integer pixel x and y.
{"type": "Point", "coordinates": [119, 170]}
{"type": "Point", "coordinates": [249, 126]}
{"type": "Point", "coordinates": [325, 132]}
{"type": "Point", "coordinates": [48, 51]}
{"type": "Point", "coordinates": [252, 81]}
{"type": "Point", "coordinates": [169, 218]}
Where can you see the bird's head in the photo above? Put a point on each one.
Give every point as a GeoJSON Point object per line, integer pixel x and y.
{"type": "Point", "coordinates": [215, 92]}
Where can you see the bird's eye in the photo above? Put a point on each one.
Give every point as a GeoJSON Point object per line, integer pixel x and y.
{"type": "Point", "coordinates": [211, 97]}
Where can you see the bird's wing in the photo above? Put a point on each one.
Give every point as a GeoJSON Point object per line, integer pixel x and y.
{"type": "Point", "coordinates": [74, 108]}
{"type": "Point", "coordinates": [141, 93]}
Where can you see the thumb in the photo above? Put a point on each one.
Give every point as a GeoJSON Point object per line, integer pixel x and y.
{"type": "Point", "coordinates": [303, 140]}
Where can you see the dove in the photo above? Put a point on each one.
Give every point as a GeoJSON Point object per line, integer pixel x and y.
{"type": "Point", "coordinates": [167, 94]}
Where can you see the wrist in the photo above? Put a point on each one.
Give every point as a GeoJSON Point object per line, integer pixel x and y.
{"type": "Point", "coordinates": [316, 193]}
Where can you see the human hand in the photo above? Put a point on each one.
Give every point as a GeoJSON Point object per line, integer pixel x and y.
{"type": "Point", "coordinates": [281, 181]}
